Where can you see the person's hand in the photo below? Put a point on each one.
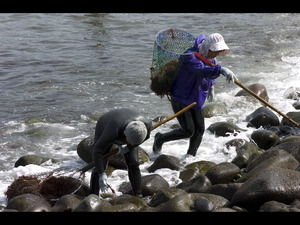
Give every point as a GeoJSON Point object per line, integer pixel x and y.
{"type": "Point", "coordinates": [211, 94]}
{"type": "Point", "coordinates": [122, 150]}
{"type": "Point", "coordinates": [230, 76]}
{"type": "Point", "coordinates": [103, 183]}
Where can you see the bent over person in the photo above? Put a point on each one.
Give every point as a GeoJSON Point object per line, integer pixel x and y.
{"type": "Point", "coordinates": [120, 127]}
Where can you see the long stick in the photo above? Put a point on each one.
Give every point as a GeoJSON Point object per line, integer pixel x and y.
{"type": "Point", "coordinates": [265, 102]}
{"type": "Point", "coordinates": [199, 56]}
{"type": "Point", "coordinates": [115, 150]}
{"type": "Point", "coordinates": [175, 115]}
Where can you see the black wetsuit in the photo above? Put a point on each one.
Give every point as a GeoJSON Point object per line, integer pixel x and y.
{"type": "Point", "coordinates": [192, 126]}
{"type": "Point", "coordinates": [110, 130]}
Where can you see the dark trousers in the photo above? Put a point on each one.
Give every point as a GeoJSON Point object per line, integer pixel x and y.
{"type": "Point", "coordinates": [192, 127]}
{"type": "Point", "coordinates": [134, 174]}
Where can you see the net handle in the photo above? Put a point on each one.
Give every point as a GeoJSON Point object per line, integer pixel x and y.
{"type": "Point", "coordinates": [170, 30]}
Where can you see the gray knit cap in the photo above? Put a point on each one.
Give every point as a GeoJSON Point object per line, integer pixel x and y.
{"type": "Point", "coordinates": [135, 132]}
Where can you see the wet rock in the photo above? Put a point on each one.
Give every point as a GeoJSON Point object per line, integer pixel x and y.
{"type": "Point", "coordinates": [200, 166]}
{"type": "Point", "coordinates": [275, 158]}
{"type": "Point", "coordinates": [196, 185]}
{"type": "Point", "coordinates": [296, 105]}
{"type": "Point", "coordinates": [92, 203]}
{"type": "Point", "coordinates": [164, 195]}
{"type": "Point", "coordinates": [284, 131]}
{"type": "Point", "coordinates": [224, 129]}
{"type": "Point", "coordinates": [29, 203]}
{"type": "Point", "coordinates": [265, 139]}
{"type": "Point", "coordinates": [33, 159]}
{"type": "Point", "coordinates": [224, 190]}
{"type": "Point", "coordinates": [85, 152]}
{"type": "Point", "coordinates": [258, 89]}
{"type": "Point", "coordinates": [183, 202]}
{"type": "Point", "coordinates": [202, 204]}
{"type": "Point", "coordinates": [67, 203]}
{"type": "Point", "coordinates": [187, 174]}
{"type": "Point", "coordinates": [243, 154]}
{"type": "Point", "coordinates": [124, 207]}
{"type": "Point", "coordinates": [150, 185]}
{"type": "Point", "coordinates": [292, 93]}
{"type": "Point", "coordinates": [262, 117]}
{"type": "Point", "coordinates": [125, 199]}
{"type": "Point", "coordinates": [222, 173]}
{"type": "Point", "coordinates": [274, 206]}
{"type": "Point", "coordinates": [214, 109]}
{"type": "Point", "coordinates": [84, 149]}
{"type": "Point", "coordinates": [236, 143]}
{"type": "Point", "coordinates": [294, 116]}
{"type": "Point", "coordinates": [165, 161]}
{"type": "Point", "coordinates": [290, 145]}
{"type": "Point", "coordinates": [276, 184]}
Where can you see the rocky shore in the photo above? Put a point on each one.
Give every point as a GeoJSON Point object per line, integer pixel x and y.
{"type": "Point", "coordinates": [263, 177]}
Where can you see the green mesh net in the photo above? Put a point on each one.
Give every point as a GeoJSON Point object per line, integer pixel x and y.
{"type": "Point", "coordinates": [169, 45]}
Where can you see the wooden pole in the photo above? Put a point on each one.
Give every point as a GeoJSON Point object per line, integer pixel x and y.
{"type": "Point", "coordinates": [265, 102]}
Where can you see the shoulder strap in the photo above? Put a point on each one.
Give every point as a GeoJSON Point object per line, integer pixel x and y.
{"type": "Point", "coordinates": [199, 56]}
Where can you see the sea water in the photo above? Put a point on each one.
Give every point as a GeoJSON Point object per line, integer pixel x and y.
{"type": "Point", "coordinates": [60, 72]}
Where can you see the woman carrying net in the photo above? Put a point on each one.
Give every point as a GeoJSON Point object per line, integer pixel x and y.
{"type": "Point", "coordinates": [192, 84]}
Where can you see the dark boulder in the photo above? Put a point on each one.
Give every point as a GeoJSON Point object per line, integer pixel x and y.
{"type": "Point", "coordinates": [67, 203]}
{"type": "Point", "coordinates": [224, 129]}
{"type": "Point", "coordinates": [165, 161]}
{"type": "Point", "coordinates": [214, 109]}
{"type": "Point", "coordinates": [262, 117]}
{"type": "Point", "coordinates": [29, 203]}
{"type": "Point", "coordinates": [150, 185]}
{"type": "Point", "coordinates": [125, 199]}
{"type": "Point", "coordinates": [164, 195]}
{"type": "Point", "coordinates": [276, 184]}
{"type": "Point", "coordinates": [33, 159]}
{"type": "Point", "coordinates": [258, 89]}
{"type": "Point", "coordinates": [270, 159]}
{"type": "Point", "coordinates": [85, 152]}
{"type": "Point", "coordinates": [224, 190]}
{"type": "Point", "coordinates": [290, 146]}
{"type": "Point", "coordinates": [243, 154]}
{"type": "Point", "coordinates": [222, 173]}
{"type": "Point", "coordinates": [196, 185]}
{"type": "Point", "coordinates": [84, 149]}
{"type": "Point", "coordinates": [92, 203]}
{"type": "Point", "coordinates": [265, 139]}
{"type": "Point", "coordinates": [200, 166]}
{"type": "Point", "coordinates": [202, 204]}
{"type": "Point", "coordinates": [274, 206]}
{"type": "Point", "coordinates": [185, 202]}
{"type": "Point", "coordinates": [294, 116]}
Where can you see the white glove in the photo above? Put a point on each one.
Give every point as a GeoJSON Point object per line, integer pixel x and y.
{"type": "Point", "coordinates": [230, 76]}
{"type": "Point", "coordinates": [103, 183]}
{"type": "Point", "coordinates": [211, 94]}
{"type": "Point", "coordinates": [122, 150]}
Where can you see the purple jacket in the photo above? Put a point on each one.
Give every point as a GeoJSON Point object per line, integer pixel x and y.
{"type": "Point", "coordinates": [194, 78]}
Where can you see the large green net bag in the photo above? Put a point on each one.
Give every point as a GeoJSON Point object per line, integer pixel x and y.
{"type": "Point", "coordinates": [169, 45]}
